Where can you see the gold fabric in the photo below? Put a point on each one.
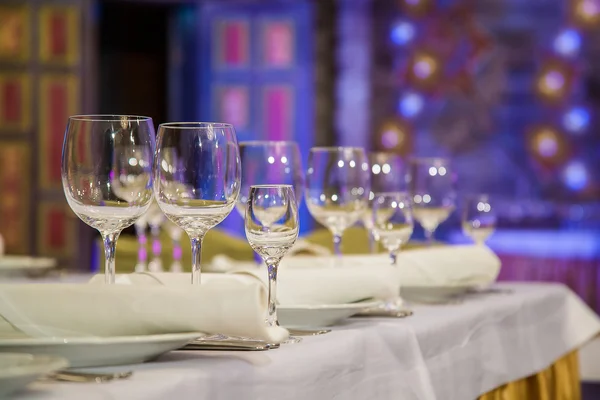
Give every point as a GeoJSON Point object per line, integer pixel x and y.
{"type": "Point", "coordinates": [560, 381]}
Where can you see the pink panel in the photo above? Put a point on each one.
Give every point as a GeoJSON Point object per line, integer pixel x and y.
{"type": "Point", "coordinates": [233, 106]}
{"type": "Point", "coordinates": [279, 44]}
{"type": "Point", "coordinates": [278, 113]}
{"type": "Point", "coordinates": [233, 43]}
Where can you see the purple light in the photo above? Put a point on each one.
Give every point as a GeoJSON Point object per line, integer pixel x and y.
{"type": "Point", "coordinates": [554, 80]}
{"type": "Point", "coordinates": [390, 139]}
{"type": "Point", "coordinates": [156, 247]}
{"type": "Point", "coordinates": [423, 69]}
{"type": "Point", "coordinates": [567, 42]}
{"type": "Point", "coordinates": [177, 252]}
{"type": "Point", "coordinates": [547, 147]}
{"type": "Point", "coordinates": [576, 120]}
{"type": "Point", "coordinates": [142, 254]}
{"type": "Point", "coordinates": [575, 175]}
{"type": "Point", "coordinates": [402, 33]}
{"type": "Point", "coordinates": [410, 104]}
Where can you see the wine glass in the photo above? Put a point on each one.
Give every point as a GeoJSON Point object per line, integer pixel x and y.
{"type": "Point", "coordinates": [392, 221]}
{"type": "Point", "coordinates": [431, 186]}
{"type": "Point", "coordinates": [107, 174]}
{"type": "Point", "coordinates": [385, 169]}
{"type": "Point", "coordinates": [272, 227]}
{"type": "Point", "coordinates": [479, 219]}
{"type": "Point", "coordinates": [269, 163]}
{"type": "Point", "coordinates": [337, 188]}
{"type": "Point", "coordinates": [197, 178]}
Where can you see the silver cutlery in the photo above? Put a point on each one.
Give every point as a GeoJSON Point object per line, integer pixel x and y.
{"type": "Point", "coordinates": [230, 345]}
{"type": "Point", "coordinates": [87, 377]}
{"type": "Point", "coordinates": [383, 312]}
{"type": "Point", "coordinates": [308, 332]}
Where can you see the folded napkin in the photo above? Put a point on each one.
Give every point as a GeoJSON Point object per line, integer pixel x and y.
{"type": "Point", "coordinates": [235, 307]}
{"type": "Point", "coordinates": [465, 265]}
{"type": "Point", "coordinates": [312, 284]}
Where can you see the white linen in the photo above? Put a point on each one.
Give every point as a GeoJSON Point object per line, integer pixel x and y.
{"type": "Point", "coordinates": [464, 265]}
{"type": "Point", "coordinates": [231, 307]}
{"type": "Point", "coordinates": [307, 286]}
{"type": "Point", "coordinates": [453, 352]}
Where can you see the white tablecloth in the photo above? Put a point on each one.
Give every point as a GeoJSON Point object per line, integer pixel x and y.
{"type": "Point", "coordinates": [445, 352]}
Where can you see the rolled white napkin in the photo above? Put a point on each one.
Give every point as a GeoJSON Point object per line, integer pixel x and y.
{"type": "Point", "coordinates": [465, 265]}
{"type": "Point", "coordinates": [235, 307]}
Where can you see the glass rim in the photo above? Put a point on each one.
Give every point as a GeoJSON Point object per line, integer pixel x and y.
{"type": "Point", "coordinates": [263, 142]}
{"type": "Point", "coordinates": [336, 148]}
{"type": "Point", "coordinates": [195, 125]}
{"type": "Point", "coordinates": [107, 117]}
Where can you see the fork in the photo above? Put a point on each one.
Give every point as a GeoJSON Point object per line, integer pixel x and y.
{"type": "Point", "coordinates": [88, 377]}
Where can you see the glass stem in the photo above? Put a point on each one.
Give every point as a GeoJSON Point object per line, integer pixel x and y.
{"type": "Point", "coordinates": [110, 244]}
{"type": "Point", "coordinates": [272, 265]}
{"type": "Point", "coordinates": [372, 243]}
{"type": "Point", "coordinates": [394, 257]}
{"type": "Point", "coordinates": [429, 237]}
{"type": "Point", "coordinates": [196, 257]}
{"type": "Point", "coordinates": [337, 244]}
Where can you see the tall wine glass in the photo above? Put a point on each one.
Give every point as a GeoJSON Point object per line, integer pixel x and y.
{"type": "Point", "coordinates": [269, 163]}
{"type": "Point", "coordinates": [197, 178]}
{"type": "Point", "coordinates": [479, 218]}
{"type": "Point", "coordinates": [431, 186]}
{"type": "Point", "coordinates": [393, 221]}
{"type": "Point", "coordinates": [386, 168]}
{"type": "Point", "coordinates": [337, 188]}
{"type": "Point", "coordinates": [107, 174]}
{"type": "Point", "coordinates": [272, 228]}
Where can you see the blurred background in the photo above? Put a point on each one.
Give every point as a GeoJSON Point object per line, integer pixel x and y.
{"type": "Point", "coordinates": [508, 89]}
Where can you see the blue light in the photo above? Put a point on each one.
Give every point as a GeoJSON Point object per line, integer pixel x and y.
{"type": "Point", "coordinates": [402, 33]}
{"type": "Point", "coordinates": [576, 119]}
{"type": "Point", "coordinates": [410, 104]}
{"type": "Point", "coordinates": [567, 42]}
{"type": "Point", "coordinates": [575, 176]}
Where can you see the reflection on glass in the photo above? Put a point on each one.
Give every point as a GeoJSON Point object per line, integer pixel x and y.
{"type": "Point", "coordinates": [107, 174]}
{"type": "Point", "coordinates": [386, 170]}
{"type": "Point", "coordinates": [479, 219]}
{"type": "Point", "coordinates": [269, 163]}
{"type": "Point", "coordinates": [197, 178]}
{"type": "Point", "coordinates": [431, 186]}
{"type": "Point", "coordinates": [337, 188]}
{"type": "Point", "coordinates": [271, 222]}
{"type": "Point", "coordinates": [393, 221]}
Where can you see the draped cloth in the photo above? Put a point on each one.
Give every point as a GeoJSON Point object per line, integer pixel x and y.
{"type": "Point", "coordinates": [560, 381]}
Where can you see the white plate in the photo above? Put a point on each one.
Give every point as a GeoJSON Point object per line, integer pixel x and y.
{"type": "Point", "coordinates": [101, 351]}
{"type": "Point", "coordinates": [20, 265]}
{"type": "Point", "coordinates": [18, 370]}
{"type": "Point", "coordinates": [433, 294]}
{"type": "Point", "coordinates": [319, 315]}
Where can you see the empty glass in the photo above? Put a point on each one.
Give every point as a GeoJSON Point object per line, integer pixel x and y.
{"type": "Point", "coordinates": [386, 168]}
{"type": "Point", "coordinates": [337, 188]}
{"type": "Point", "coordinates": [270, 163]}
{"type": "Point", "coordinates": [392, 221]}
{"type": "Point", "coordinates": [272, 228]}
{"type": "Point", "coordinates": [107, 174]}
{"type": "Point", "coordinates": [431, 186]}
{"type": "Point", "coordinates": [197, 178]}
{"type": "Point", "coordinates": [479, 219]}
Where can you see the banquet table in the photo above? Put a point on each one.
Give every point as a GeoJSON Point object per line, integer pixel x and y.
{"type": "Point", "coordinates": [455, 351]}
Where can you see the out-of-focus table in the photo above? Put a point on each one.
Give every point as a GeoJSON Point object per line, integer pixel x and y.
{"type": "Point", "coordinates": [455, 351]}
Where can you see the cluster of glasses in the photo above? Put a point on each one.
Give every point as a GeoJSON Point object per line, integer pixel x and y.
{"type": "Point", "coordinates": [113, 171]}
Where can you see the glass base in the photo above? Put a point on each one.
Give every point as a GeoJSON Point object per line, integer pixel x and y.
{"type": "Point", "coordinates": [292, 340]}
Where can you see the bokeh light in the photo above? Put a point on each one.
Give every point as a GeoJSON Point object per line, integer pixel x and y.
{"type": "Point", "coordinates": [553, 82]}
{"type": "Point", "coordinates": [424, 70]}
{"type": "Point", "coordinates": [395, 135]}
{"type": "Point", "coordinates": [576, 120]}
{"type": "Point", "coordinates": [410, 104]}
{"type": "Point", "coordinates": [575, 175]}
{"type": "Point", "coordinates": [402, 33]}
{"type": "Point", "coordinates": [567, 42]}
{"type": "Point", "coordinates": [548, 145]}
{"type": "Point", "coordinates": [586, 12]}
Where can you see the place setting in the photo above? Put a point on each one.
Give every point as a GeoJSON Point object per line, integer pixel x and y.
{"type": "Point", "coordinates": [196, 174]}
